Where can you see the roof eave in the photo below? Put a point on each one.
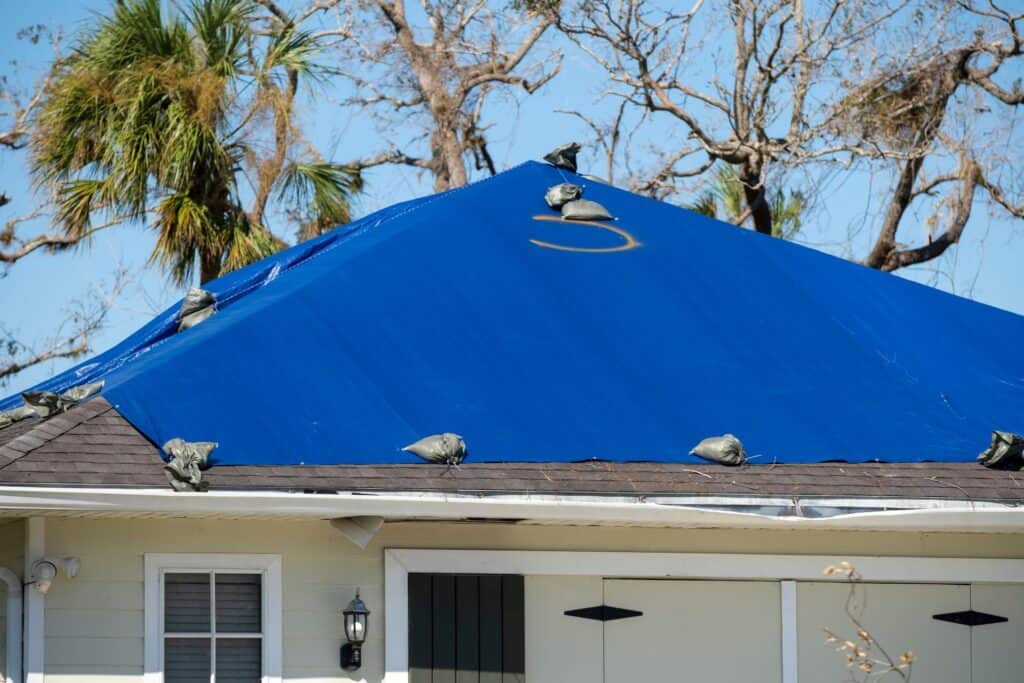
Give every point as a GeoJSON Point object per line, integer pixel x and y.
{"type": "Point", "coordinates": [877, 514]}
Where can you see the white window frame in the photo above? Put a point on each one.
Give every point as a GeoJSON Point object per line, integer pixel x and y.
{"type": "Point", "coordinates": [786, 569]}
{"type": "Point", "coordinates": [268, 566]}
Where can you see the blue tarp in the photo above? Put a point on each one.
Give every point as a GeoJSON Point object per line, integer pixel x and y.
{"type": "Point", "coordinates": [464, 312]}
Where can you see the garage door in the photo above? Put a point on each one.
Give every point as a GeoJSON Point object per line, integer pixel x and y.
{"type": "Point", "coordinates": [586, 630]}
{"type": "Point", "coordinates": [957, 633]}
{"type": "Point", "coordinates": [703, 631]}
{"type": "Point", "coordinates": [899, 616]}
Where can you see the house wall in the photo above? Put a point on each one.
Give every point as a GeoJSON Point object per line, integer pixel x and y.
{"type": "Point", "coordinates": [12, 556]}
{"type": "Point", "coordinates": [94, 623]}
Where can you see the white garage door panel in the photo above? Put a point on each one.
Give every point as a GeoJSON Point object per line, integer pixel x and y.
{"type": "Point", "coordinates": [561, 649]}
{"type": "Point", "coordinates": [900, 618]}
{"type": "Point", "coordinates": [997, 648]}
{"type": "Point", "coordinates": [694, 632]}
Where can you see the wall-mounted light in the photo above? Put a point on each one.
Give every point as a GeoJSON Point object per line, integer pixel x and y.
{"type": "Point", "coordinates": [44, 571]}
{"type": "Point", "coordinates": [356, 619]}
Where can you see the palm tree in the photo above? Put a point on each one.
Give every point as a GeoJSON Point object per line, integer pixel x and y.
{"type": "Point", "coordinates": [165, 114]}
{"type": "Point", "coordinates": [727, 190]}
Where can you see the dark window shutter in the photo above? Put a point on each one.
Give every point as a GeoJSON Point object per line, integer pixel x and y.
{"type": "Point", "coordinates": [490, 629]}
{"type": "Point", "coordinates": [239, 660]}
{"type": "Point", "coordinates": [466, 628]}
{"type": "Point", "coordinates": [187, 603]}
{"type": "Point", "coordinates": [513, 630]}
{"type": "Point", "coordinates": [421, 628]}
{"type": "Point", "coordinates": [186, 660]}
{"type": "Point", "coordinates": [238, 603]}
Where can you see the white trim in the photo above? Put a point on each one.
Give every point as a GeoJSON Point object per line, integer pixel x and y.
{"type": "Point", "coordinates": [790, 655]}
{"type": "Point", "coordinates": [13, 616]}
{"type": "Point", "coordinates": [399, 562]}
{"type": "Point", "coordinates": [34, 633]}
{"type": "Point", "coordinates": [269, 565]}
{"type": "Point", "coordinates": [396, 619]}
{"type": "Point", "coordinates": [708, 566]}
{"type": "Point", "coordinates": [590, 510]}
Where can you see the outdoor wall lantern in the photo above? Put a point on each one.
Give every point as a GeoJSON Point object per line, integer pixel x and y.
{"type": "Point", "coordinates": [356, 616]}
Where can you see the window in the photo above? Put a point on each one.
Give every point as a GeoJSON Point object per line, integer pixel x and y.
{"type": "Point", "coordinates": [213, 618]}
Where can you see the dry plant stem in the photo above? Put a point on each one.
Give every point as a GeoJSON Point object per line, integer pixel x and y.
{"type": "Point", "coordinates": [860, 659]}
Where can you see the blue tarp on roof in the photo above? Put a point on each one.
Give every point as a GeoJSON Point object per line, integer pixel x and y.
{"type": "Point", "coordinates": [540, 340]}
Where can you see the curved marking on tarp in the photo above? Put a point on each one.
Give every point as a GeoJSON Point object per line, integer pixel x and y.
{"type": "Point", "coordinates": [629, 244]}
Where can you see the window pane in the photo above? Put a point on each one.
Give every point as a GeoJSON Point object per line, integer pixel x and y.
{"type": "Point", "coordinates": [239, 660]}
{"type": "Point", "coordinates": [238, 603]}
{"type": "Point", "coordinates": [186, 603]}
{"type": "Point", "coordinates": [186, 660]}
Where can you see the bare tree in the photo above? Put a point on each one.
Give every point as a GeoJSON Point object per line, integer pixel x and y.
{"type": "Point", "coordinates": [86, 316]}
{"type": "Point", "coordinates": [18, 105]}
{"type": "Point", "coordinates": [753, 109]}
{"type": "Point", "coordinates": [435, 64]}
{"type": "Point", "coordinates": [83, 319]}
{"type": "Point", "coordinates": [926, 115]}
{"type": "Point", "coordinates": [837, 82]}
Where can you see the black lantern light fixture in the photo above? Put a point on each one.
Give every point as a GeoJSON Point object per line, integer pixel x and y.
{"type": "Point", "coordinates": [356, 618]}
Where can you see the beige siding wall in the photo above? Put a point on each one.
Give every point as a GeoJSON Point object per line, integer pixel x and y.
{"type": "Point", "coordinates": [12, 544]}
{"type": "Point", "coordinates": [94, 623]}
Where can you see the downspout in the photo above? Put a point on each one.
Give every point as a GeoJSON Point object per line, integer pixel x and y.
{"type": "Point", "coordinates": [14, 617]}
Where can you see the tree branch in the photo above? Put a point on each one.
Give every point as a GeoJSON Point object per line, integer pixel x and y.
{"type": "Point", "coordinates": [74, 337]}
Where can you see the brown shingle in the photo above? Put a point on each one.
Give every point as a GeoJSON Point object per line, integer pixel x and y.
{"type": "Point", "coordinates": [93, 445]}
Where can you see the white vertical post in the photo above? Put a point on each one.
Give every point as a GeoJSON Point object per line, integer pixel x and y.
{"type": "Point", "coordinates": [13, 617]}
{"type": "Point", "coordinates": [34, 633]}
{"type": "Point", "coordinates": [396, 619]}
{"type": "Point", "coordinates": [790, 660]}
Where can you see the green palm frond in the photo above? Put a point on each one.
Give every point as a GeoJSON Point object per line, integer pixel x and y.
{"type": "Point", "coordinates": [729, 189]}
{"type": "Point", "coordinates": [77, 200]}
{"type": "Point", "coordinates": [294, 49]}
{"type": "Point", "coordinates": [726, 191]}
{"type": "Point", "coordinates": [249, 243]}
{"type": "Point", "coordinates": [184, 228]}
{"type": "Point", "coordinates": [222, 33]}
{"type": "Point", "coordinates": [322, 191]}
{"type": "Point", "coordinates": [706, 205]}
{"type": "Point", "coordinates": [160, 103]}
{"type": "Point", "coordinates": [137, 31]}
{"type": "Point", "coordinates": [787, 212]}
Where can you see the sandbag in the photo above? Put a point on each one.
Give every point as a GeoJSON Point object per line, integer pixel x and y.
{"type": "Point", "coordinates": [585, 210]}
{"type": "Point", "coordinates": [1005, 451]}
{"type": "Point", "coordinates": [725, 449]}
{"type": "Point", "coordinates": [197, 306]}
{"type": "Point", "coordinates": [564, 156]}
{"type": "Point", "coordinates": [558, 195]}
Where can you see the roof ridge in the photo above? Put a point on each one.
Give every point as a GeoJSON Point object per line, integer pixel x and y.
{"type": "Point", "coordinates": [51, 428]}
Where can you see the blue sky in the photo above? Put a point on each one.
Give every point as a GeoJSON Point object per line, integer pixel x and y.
{"type": "Point", "coordinates": [38, 290]}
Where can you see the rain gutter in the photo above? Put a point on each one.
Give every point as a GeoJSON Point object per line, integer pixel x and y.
{"type": "Point", "coordinates": [870, 514]}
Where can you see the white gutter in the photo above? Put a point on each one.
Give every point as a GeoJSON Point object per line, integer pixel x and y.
{"type": "Point", "coordinates": [13, 616]}
{"type": "Point", "coordinates": [962, 517]}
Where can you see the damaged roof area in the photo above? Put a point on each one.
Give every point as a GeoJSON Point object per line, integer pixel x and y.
{"type": "Point", "coordinates": [93, 445]}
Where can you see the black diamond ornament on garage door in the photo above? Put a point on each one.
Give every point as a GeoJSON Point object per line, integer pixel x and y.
{"type": "Point", "coordinates": [603, 613]}
{"type": "Point", "coordinates": [970, 618]}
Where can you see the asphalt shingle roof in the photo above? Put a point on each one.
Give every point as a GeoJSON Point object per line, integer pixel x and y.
{"type": "Point", "coordinates": [94, 445]}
